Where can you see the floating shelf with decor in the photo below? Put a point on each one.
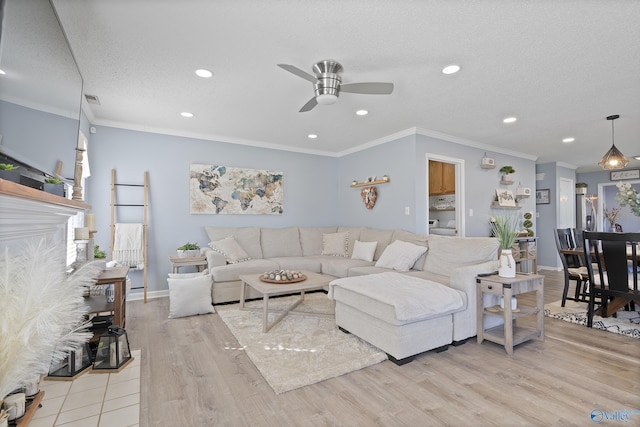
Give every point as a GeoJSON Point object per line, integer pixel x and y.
{"type": "Point", "coordinates": [496, 205]}
{"type": "Point", "coordinates": [385, 179]}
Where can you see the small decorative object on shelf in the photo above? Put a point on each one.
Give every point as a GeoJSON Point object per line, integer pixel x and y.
{"type": "Point", "coordinates": [371, 178]}
{"type": "Point", "coordinates": [282, 276]}
{"type": "Point", "coordinates": [522, 192]}
{"type": "Point", "coordinates": [113, 351]}
{"type": "Point", "coordinates": [487, 162]}
{"type": "Point", "coordinates": [527, 223]}
{"type": "Point", "coordinates": [188, 250]}
{"type": "Point", "coordinates": [507, 171]}
{"type": "Point", "coordinates": [73, 364]}
{"type": "Point", "coordinates": [385, 177]}
{"type": "Point", "coordinates": [9, 172]}
{"type": "Point", "coordinates": [54, 186]}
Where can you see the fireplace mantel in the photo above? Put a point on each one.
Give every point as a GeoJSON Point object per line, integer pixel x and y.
{"type": "Point", "coordinates": [28, 212]}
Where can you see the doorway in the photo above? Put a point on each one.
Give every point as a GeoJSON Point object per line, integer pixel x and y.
{"type": "Point", "coordinates": [445, 195]}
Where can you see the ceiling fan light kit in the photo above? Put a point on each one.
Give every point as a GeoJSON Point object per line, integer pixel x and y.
{"type": "Point", "coordinates": [327, 83]}
{"type": "Point", "coordinates": [613, 159]}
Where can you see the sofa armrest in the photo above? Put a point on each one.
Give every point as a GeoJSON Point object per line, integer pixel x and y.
{"type": "Point", "coordinates": [214, 259]}
{"type": "Point", "coordinates": [464, 278]}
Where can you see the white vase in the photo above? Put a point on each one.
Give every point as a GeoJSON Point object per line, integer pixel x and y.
{"type": "Point", "coordinates": [507, 265]}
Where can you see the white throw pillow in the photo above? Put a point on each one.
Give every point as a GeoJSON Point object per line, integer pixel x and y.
{"type": "Point", "coordinates": [400, 255]}
{"type": "Point", "coordinates": [188, 297]}
{"type": "Point", "coordinates": [188, 275]}
{"type": "Point", "coordinates": [230, 249]}
{"type": "Point", "coordinates": [335, 244]}
{"type": "Point", "coordinates": [364, 250]}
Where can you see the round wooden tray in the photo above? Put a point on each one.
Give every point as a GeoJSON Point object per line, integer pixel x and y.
{"type": "Point", "coordinates": [284, 282]}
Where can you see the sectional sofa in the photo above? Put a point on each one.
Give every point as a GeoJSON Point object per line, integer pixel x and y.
{"type": "Point", "coordinates": [450, 261]}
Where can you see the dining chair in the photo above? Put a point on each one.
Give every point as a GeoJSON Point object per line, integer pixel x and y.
{"type": "Point", "coordinates": [572, 265]}
{"type": "Point", "coordinates": [612, 263]}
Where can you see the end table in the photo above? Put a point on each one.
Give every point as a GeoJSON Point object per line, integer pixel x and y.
{"type": "Point", "coordinates": [509, 334]}
{"type": "Point", "coordinates": [200, 262]}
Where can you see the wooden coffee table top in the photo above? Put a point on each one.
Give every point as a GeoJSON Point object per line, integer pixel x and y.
{"type": "Point", "coordinates": [314, 281]}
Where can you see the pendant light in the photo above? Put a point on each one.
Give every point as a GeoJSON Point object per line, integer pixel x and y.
{"type": "Point", "coordinates": [613, 159]}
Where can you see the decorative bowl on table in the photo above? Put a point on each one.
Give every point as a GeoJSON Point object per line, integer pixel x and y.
{"type": "Point", "coordinates": [282, 276]}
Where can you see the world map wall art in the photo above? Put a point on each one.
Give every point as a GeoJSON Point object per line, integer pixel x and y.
{"type": "Point", "coordinates": [226, 190]}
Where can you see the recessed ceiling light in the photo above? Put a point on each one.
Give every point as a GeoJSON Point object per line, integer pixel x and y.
{"type": "Point", "coordinates": [2, 72]}
{"type": "Point", "coordinates": [509, 120]}
{"type": "Point", "coordinates": [636, 157]}
{"type": "Point", "coordinates": [362, 112]}
{"type": "Point", "coordinates": [451, 69]}
{"type": "Point", "coordinates": [186, 114]}
{"type": "Point", "coordinates": [568, 140]}
{"type": "Point", "coordinates": [312, 136]}
{"type": "Point", "coordinates": [201, 72]}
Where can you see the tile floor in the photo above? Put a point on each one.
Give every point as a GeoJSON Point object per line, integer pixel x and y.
{"type": "Point", "coordinates": [92, 400]}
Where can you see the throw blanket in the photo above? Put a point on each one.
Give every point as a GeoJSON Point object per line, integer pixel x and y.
{"type": "Point", "coordinates": [412, 297]}
{"type": "Point", "coordinates": [128, 245]}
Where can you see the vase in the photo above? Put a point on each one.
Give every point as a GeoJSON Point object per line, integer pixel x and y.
{"type": "Point", "coordinates": [506, 264]}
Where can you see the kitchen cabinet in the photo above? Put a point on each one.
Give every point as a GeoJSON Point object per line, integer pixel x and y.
{"type": "Point", "coordinates": [442, 178]}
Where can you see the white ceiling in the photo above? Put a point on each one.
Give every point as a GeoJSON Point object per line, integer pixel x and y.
{"type": "Point", "coordinates": [560, 67]}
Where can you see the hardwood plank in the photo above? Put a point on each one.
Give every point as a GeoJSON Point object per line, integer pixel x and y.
{"type": "Point", "coordinates": [195, 373]}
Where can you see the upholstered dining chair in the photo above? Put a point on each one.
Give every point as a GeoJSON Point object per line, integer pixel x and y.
{"type": "Point", "coordinates": [573, 266]}
{"type": "Point", "coordinates": [612, 262]}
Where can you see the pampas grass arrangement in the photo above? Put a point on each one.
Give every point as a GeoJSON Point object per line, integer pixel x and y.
{"type": "Point", "coordinates": [41, 310]}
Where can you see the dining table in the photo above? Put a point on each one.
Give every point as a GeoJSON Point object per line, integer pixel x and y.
{"type": "Point", "coordinates": [616, 303]}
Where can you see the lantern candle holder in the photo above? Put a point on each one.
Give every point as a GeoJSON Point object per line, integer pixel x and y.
{"type": "Point", "coordinates": [113, 353]}
{"type": "Point", "coordinates": [72, 365]}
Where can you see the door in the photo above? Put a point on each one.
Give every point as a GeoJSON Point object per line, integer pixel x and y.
{"type": "Point", "coordinates": [566, 204]}
{"type": "Point", "coordinates": [450, 218]}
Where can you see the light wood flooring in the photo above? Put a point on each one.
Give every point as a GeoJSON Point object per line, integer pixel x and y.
{"type": "Point", "coordinates": [194, 374]}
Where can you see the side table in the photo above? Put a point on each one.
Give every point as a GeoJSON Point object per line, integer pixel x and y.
{"type": "Point", "coordinates": [510, 334]}
{"type": "Point", "coordinates": [200, 262]}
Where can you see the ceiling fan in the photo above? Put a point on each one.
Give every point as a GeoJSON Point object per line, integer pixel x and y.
{"type": "Point", "coordinates": [328, 83]}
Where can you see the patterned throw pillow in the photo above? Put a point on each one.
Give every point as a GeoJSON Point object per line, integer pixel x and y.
{"type": "Point", "coordinates": [230, 249]}
{"type": "Point", "coordinates": [335, 244]}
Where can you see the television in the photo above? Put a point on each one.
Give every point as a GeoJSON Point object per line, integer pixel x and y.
{"type": "Point", "coordinates": [40, 90]}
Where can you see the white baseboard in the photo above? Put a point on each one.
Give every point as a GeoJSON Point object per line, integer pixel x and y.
{"type": "Point", "coordinates": [139, 296]}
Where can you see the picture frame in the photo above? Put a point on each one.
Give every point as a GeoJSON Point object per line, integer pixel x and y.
{"type": "Point", "coordinates": [543, 197]}
{"type": "Point", "coordinates": [626, 174]}
{"type": "Point", "coordinates": [505, 197]}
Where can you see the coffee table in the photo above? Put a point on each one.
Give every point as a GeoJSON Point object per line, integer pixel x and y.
{"type": "Point", "coordinates": [313, 282]}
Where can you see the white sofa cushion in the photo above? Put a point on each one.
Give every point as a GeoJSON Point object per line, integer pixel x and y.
{"type": "Point", "coordinates": [190, 296]}
{"type": "Point", "coordinates": [448, 253]}
{"type": "Point", "coordinates": [279, 242]}
{"type": "Point", "coordinates": [400, 255]}
{"type": "Point", "coordinates": [383, 237]}
{"type": "Point", "coordinates": [230, 249]}
{"type": "Point", "coordinates": [311, 239]}
{"type": "Point", "coordinates": [416, 239]}
{"type": "Point", "coordinates": [247, 237]}
{"type": "Point", "coordinates": [335, 244]}
{"type": "Point", "coordinates": [364, 250]}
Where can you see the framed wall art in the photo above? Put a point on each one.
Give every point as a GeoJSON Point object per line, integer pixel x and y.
{"type": "Point", "coordinates": [222, 190]}
{"type": "Point", "coordinates": [543, 197]}
{"type": "Point", "coordinates": [505, 197]}
{"type": "Point", "coordinates": [628, 174]}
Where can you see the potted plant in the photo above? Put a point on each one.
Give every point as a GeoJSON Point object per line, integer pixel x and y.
{"type": "Point", "coordinates": [98, 253]}
{"type": "Point", "coordinates": [507, 171]}
{"type": "Point", "coordinates": [505, 229]}
{"type": "Point", "coordinates": [9, 172]}
{"type": "Point", "coordinates": [54, 186]}
{"type": "Point", "coordinates": [581, 188]}
{"type": "Point", "coordinates": [188, 250]}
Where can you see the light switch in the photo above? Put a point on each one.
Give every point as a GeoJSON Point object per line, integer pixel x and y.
{"type": "Point", "coordinates": [470, 212]}
{"type": "Point", "coordinates": [407, 210]}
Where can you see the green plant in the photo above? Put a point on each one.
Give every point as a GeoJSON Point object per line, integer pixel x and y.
{"type": "Point", "coordinates": [8, 167]}
{"type": "Point", "coordinates": [97, 253]}
{"type": "Point", "coordinates": [582, 185]}
{"type": "Point", "coordinates": [507, 170]}
{"type": "Point", "coordinates": [505, 229]}
{"type": "Point", "coordinates": [189, 247]}
{"type": "Point", "coordinates": [53, 180]}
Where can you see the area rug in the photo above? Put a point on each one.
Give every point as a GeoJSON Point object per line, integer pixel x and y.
{"type": "Point", "coordinates": [299, 350]}
{"type": "Point", "coordinates": [626, 323]}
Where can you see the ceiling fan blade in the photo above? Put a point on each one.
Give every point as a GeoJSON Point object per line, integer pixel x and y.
{"type": "Point", "coordinates": [309, 105]}
{"type": "Point", "coordinates": [371, 88]}
{"type": "Point", "coordinates": [298, 72]}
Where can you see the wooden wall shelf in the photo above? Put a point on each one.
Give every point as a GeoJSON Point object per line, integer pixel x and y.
{"type": "Point", "coordinates": [495, 205]}
{"type": "Point", "coordinates": [364, 184]}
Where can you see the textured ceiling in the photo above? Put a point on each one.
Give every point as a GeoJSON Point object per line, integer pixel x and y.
{"type": "Point", "coordinates": [559, 67]}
